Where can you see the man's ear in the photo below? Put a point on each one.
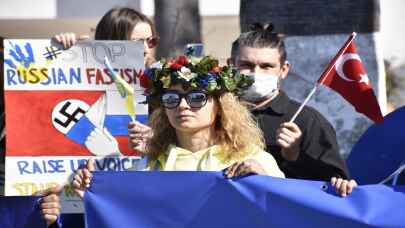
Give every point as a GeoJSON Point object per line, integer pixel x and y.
{"type": "Point", "coordinates": [284, 69]}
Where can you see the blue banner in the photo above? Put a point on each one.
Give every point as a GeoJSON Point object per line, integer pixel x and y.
{"type": "Point", "coordinates": [20, 212]}
{"type": "Point", "coordinates": [207, 199]}
{"type": "Point", "coordinates": [380, 150]}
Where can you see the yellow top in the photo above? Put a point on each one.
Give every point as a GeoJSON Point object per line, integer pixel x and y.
{"type": "Point", "coordinates": [210, 159]}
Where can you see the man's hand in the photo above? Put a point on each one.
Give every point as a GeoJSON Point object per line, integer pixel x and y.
{"type": "Point", "coordinates": [343, 187]}
{"type": "Point", "coordinates": [243, 168]}
{"type": "Point", "coordinates": [139, 135]}
{"type": "Point", "coordinates": [50, 203]}
{"type": "Point", "coordinates": [288, 137]}
{"type": "Point", "coordinates": [82, 178]}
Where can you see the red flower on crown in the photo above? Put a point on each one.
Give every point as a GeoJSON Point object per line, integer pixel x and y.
{"type": "Point", "coordinates": [144, 78]}
{"type": "Point", "coordinates": [179, 62]}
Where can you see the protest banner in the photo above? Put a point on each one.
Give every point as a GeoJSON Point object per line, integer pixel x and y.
{"type": "Point", "coordinates": [62, 107]}
{"type": "Point", "coordinates": [21, 212]}
{"type": "Point", "coordinates": [207, 199]}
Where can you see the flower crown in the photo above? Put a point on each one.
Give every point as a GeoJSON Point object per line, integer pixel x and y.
{"type": "Point", "coordinates": [196, 73]}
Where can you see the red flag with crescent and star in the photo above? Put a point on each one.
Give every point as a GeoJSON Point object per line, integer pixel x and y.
{"type": "Point", "coordinates": [346, 75]}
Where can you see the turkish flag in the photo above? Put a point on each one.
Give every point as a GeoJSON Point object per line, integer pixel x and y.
{"type": "Point", "coordinates": [346, 75]}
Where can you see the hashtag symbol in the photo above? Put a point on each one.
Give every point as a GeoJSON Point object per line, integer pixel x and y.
{"type": "Point", "coordinates": [52, 53]}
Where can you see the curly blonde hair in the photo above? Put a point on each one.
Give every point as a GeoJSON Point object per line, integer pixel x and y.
{"type": "Point", "coordinates": [236, 129]}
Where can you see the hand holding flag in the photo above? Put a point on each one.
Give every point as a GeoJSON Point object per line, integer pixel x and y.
{"type": "Point", "coordinates": [126, 90]}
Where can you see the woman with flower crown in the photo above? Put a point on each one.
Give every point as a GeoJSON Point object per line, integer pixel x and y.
{"type": "Point", "coordinates": [198, 123]}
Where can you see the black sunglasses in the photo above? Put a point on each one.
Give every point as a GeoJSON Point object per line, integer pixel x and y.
{"type": "Point", "coordinates": [195, 99]}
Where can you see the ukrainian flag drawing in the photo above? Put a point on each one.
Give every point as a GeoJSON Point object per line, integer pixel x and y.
{"type": "Point", "coordinates": [126, 91]}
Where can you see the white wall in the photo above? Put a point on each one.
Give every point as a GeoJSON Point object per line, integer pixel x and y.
{"type": "Point", "coordinates": [207, 7]}
{"type": "Point", "coordinates": [25, 9]}
{"type": "Point", "coordinates": [46, 9]}
{"type": "Point", "coordinates": [393, 30]}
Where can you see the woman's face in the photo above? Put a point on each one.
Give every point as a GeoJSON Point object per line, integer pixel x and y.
{"type": "Point", "coordinates": [188, 116]}
{"type": "Point", "coordinates": [142, 31]}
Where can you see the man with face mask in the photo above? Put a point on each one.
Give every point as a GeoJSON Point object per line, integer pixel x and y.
{"type": "Point", "coordinates": [304, 149]}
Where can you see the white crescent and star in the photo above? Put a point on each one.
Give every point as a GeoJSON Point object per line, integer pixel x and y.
{"type": "Point", "coordinates": [364, 78]}
{"type": "Point", "coordinates": [340, 62]}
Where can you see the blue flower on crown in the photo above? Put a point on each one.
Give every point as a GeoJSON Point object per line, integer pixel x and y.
{"type": "Point", "coordinates": [149, 72]}
{"type": "Point", "coordinates": [203, 81]}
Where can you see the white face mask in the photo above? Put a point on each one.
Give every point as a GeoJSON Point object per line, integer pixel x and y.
{"type": "Point", "coordinates": [265, 85]}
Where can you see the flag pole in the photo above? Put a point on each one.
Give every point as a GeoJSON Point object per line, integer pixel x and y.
{"type": "Point", "coordinates": [304, 103]}
{"type": "Point", "coordinates": [123, 88]}
{"type": "Point", "coordinates": [324, 75]}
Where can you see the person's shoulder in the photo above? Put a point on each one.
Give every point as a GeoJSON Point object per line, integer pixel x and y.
{"type": "Point", "coordinates": [309, 114]}
{"type": "Point", "coordinates": [312, 112]}
{"type": "Point", "coordinates": [258, 153]}
{"type": "Point", "coordinates": [154, 163]}
{"type": "Point", "coordinates": [266, 160]}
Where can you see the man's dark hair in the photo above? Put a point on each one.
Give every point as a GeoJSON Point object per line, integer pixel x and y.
{"type": "Point", "coordinates": [260, 36]}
